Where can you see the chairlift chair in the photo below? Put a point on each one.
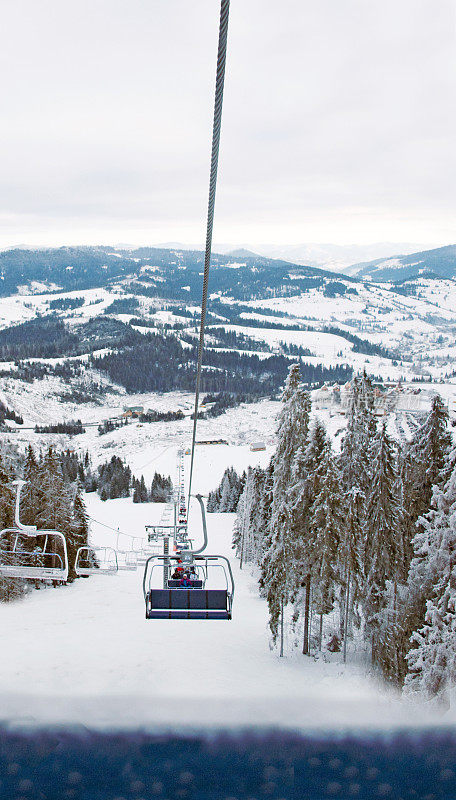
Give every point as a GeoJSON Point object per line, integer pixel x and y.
{"type": "Point", "coordinates": [128, 560]}
{"type": "Point", "coordinates": [197, 599]}
{"type": "Point", "coordinates": [46, 560]}
{"type": "Point", "coordinates": [96, 561]}
{"type": "Point", "coordinates": [193, 601]}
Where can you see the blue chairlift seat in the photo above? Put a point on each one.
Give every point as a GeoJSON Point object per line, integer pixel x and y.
{"type": "Point", "coordinates": [188, 604]}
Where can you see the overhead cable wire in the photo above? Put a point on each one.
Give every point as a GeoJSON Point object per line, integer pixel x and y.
{"type": "Point", "coordinates": [116, 530]}
{"type": "Point", "coordinates": [216, 128]}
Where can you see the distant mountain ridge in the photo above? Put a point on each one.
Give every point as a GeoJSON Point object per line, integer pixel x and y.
{"type": "Point", "coordinates": [439, 262]}
{"type": "Point", "coordinates": [154, 272]}
{"type": "Point", "coordinates": [324, 255]}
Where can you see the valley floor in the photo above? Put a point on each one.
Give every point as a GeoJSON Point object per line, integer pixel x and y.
{"type": "Point", "coordinates": [84, 654]}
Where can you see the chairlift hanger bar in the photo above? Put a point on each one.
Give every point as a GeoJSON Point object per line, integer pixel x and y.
{"type": "Point", "coordinates": [219, 85]}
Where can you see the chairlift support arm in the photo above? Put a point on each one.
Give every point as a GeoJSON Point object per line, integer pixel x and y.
{"type": "Point", "coordinates": [29, 530]}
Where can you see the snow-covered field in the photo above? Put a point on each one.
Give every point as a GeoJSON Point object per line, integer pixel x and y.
{"type": "Point", "coordinates": [417, 327]}
{"type": "Point", "coordinates": [85, 654]}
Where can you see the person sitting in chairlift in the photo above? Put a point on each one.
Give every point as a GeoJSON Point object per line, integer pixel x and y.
{"type": "Point", "coordinates": [178, 573]}
{"type": "Point", "coordinates": [186, 579]}
{"type": "Point", "coordinates": [189, 577]}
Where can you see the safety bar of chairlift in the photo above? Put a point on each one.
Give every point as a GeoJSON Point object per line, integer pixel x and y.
{"type": "Point", "coordinates": [30, 554]}
{"type": "Point", "coordinates": [206, 558]}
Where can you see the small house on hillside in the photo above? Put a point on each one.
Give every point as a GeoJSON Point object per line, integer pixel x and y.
{"type": "Point", "coordinates": [255, 446]}
{"type": "Point", "coordinates": [132, 411]}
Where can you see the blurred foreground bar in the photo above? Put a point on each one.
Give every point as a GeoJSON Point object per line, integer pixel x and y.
{"type": "Point", "coordinates": [78, 765]}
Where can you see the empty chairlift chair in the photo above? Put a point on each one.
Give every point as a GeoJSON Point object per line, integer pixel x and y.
{"type": "Point", "coordinates": [41, 556]}
{"type": "Point", "coordinates": [127, 560]}
{"type": "Point", "coordinates": [28, 552]}
{"type": "Point", "coordinates": [96, 561]}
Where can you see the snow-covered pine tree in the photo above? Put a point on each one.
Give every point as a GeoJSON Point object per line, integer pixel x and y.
{"type": "Point", "coordinates": [279, 564]}
{"type": "Point", "coordinates": [355, 463]}
{"type": "Point", "coordinates": [248, 531]}
{"type": "Point", "coordinates": [307, 477]}
{"type": "Point", "coordinates": [161, 488]}
{"type": "Point", "coordinates": [225, 493]}
{"type": "Point", "coordinates": [355, 457]}
{"type": "Point", "coordinates": [423, 466]}
{"type": "Point", "coordinates": [351, 552]}
{"type": "Point", "coordinates": [80, 529]}
{"type": "Point", "coordinates": [237, 489]}
{"type": "Point", "coordinates": [367, 407]}
{"type": "Point", "coordinates": [226, 497]}
{"type": "Point", "coordinates": [382, 547]}
{"type": "Point", "coordinates": [432, 657]}
{"type": "Point", "coordinates": [242, 529]}
{"type": "Point", "coordinates": [426, 466]}
{"type": "Point", "coordinates": [264, 522]}
{"type": "Point", "coordinates": [326, 525]}
{"type": "Point", "coordinates": [256, 530]}
{"type": "Point", "coordinates": [266, 499]}
{"type": "Point", "coordinates": [10, 588]}
{"type": "Point", "coordinates": [31, 495]}
{"type": "Point", "coordinates": [55, 503]}
{"type": "Point", "coordinates": [213, 501]}
{"type": "Point", "coordinates": [140, 493]}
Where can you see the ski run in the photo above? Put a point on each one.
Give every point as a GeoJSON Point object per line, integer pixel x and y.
{"type": "Point", "coordinates": [84, 654]}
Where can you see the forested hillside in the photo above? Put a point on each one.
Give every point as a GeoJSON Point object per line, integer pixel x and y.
{"type": "Point", "coordinates": [440, 262]}
{"type": "Point", "coordinates": [160, 272]}
{"type": "Point", "coordinates": [48, 337]}
{"type": "Point", "coordinates": [364, 540]}
{"type": "Point", "coordinates": [162, 364]}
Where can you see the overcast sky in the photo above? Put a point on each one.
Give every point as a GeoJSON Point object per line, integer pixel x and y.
{"type": "Point", "coordinates": [339, 121]}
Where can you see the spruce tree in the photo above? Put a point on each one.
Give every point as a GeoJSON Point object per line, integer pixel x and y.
{"type": "Point", "coordinates": [10, 588]}
{"type": "Point", "coordinates": [307, 476]}
{"type": "Point", "coordinates": [351, 554]}
{"type": "Point", "coordinates": [425, 462]}
{"type": "Point", "coordinates": [242, 527]}
{"type": "Point", "coordinates": [355, 455]}
{"type": "Point", "coordinates": [279, 564]}
{"type": "Point", "coordinates": [426, 466]}
{"type": "Point", "coordinates": [432, 657]}
{"type": "Point", "coordinates": [80, 529]}
{"type": "Point", "coordinates": [326, 523]}
{"type": "Point", "coordinates": [382, 549]}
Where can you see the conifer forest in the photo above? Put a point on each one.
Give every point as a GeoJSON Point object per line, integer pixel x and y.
{"type": "Point", "coordinates": [355, 548]}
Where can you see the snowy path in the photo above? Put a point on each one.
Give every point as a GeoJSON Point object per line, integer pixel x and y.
{"type": "Point", "coordinates": [85, 654]}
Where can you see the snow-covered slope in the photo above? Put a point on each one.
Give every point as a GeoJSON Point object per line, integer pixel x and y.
{"type": "Point", "coordinates": [85, 654]}
{"type": "Point", "coordinates": [440, 261]}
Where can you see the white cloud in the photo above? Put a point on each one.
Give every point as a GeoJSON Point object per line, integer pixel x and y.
{"type": "Point", "coordinates": [339, 121]}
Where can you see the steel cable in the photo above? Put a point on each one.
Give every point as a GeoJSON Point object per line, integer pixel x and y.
{"type": "Point", "coordinates": [219, 85]}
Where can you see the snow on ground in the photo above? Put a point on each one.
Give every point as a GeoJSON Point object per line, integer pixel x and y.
{"type": "Point", "coordinates": [85, 654]}
{"type": "Point", "coordinates": [324, 345]}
